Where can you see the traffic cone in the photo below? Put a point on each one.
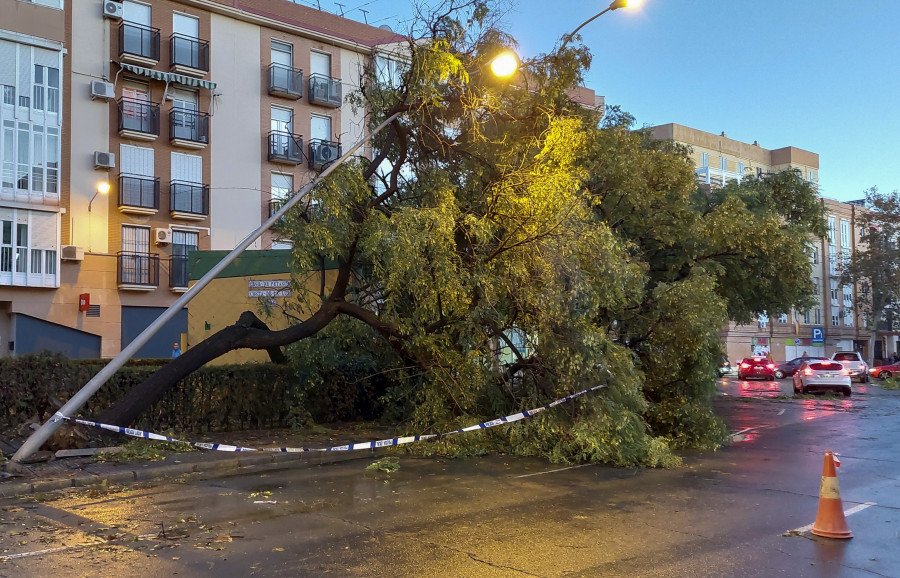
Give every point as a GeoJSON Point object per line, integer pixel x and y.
{"type": "Point", "coordinates": [830, 521]}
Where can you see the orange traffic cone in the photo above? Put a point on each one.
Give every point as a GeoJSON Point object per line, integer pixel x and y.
{"type": "Point", "coordinates": [830, 521]}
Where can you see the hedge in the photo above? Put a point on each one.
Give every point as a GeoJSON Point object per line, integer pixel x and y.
{"type": "Point", "coordinates": [214, 398]}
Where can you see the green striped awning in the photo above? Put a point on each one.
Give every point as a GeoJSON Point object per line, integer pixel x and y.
{"type": "Point", "coordinates": [168, 76]}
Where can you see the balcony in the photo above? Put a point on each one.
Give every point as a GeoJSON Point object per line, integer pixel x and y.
{"type": "Point", "coordinates": [188, 128]}
{"type": "Point", "coordinates": [322, 153]}
{"type": "Point", "coordinates": [137, 271]}
{"type": "Point", "coordinates": [716, 177]}
{"type": "Point", "coordinates": [178, 272]}
{"type": "Point", "coordinates": [138, 44]}
{"type": "Point", "coordinates": [138, 119]}
{"type": "Point", "coordinates": [324, 90]}
{"type": "Point", "coordinates": [285, 148]}
{"type": "Point", "coordinates": [189, 201]}
{"type": "Point", "coordinates": [285, 81]}
{"type": "Point", "coordinates": [138, 195]}
{"type": "Point", "coordinates": [189, 55]}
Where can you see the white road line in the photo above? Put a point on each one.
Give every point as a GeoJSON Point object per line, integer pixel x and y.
{"type": "Point", "coordinates": [554, 471]}
{"type": "Point", "coordinates": [781, 412]}
{"type": "Point", "coordinates": [849, 512]}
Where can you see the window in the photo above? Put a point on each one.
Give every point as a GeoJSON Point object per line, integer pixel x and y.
{"type": "Point", "coordinates": [320, 127]}
{"type": "Point", "coordinates": [848, 317]}
{"type": "Point", "coordinates": [832, 260]}
{"type": "Point", "coordinates": [845, 233]}
{"type": "Point", "coordinates": [741, 169]}
{"type": "Point", "coordinates": [818, 316]}
{"type": "Point", "coordinates": [848, 296]}
{"type": "Point", "coordinates": [763, 320]}
{"type": "Point", "coordinates": [28, 243]}
{"type": "Point", "coordinates": [135, 258]}
{"type": "Point", "coordinates": [30, 157]}
{"type": "Point", "coordinates": [9, 94]}
{"type": "Point", "coordinates": [831, 225]}
{"type": "Point", "coordinates": [845, 258]}
{"type": "Point", "coordinates": [806, 317]}
{"type": "Point", "coordinates": [814, 254]}
{"type": "Point", "coordinates": [811, 176]}
{"type": "Point", "coordinates": [782, 318]}
{"type": "Point", "coordinates": [390, 72]}
{"type": "Point", "coordinates": [723, 163]}
{"type": "Point", "coordinates": [759, 172]}
{"type": "Point", "coordinates": [835, 320]}
{"type": "Point", "coordinates": [834, 292]}
{"type": "Point", "coordinates": [182, 243]}
{"type": "Point", "coordinates": [46, 89]}
{"type": "Point", "coordinates": [815, 285]}
{"type": "Point", "coordinates": [187, 191]}
{"type": "Point", "coordinates": [704, 160]}
{"type": "Point", "coordinates": [282, 53]}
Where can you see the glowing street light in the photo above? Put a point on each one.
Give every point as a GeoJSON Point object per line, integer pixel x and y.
{"type": "Point", "coordinates": [102, 189]}
{"type": "Point", "coordinates": [614, 5]}
{"type": "Point", "coordinates": [505, 64]}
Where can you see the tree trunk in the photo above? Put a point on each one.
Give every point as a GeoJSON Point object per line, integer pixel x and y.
{"type": "Point", "coordinates": [248, 333]}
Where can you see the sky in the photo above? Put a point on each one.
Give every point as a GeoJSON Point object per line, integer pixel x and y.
{"type": "Point", "coordinates": [820, 75]}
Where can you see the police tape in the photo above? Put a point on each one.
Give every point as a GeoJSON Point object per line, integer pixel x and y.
{"type": "Point", "coordinates": [348, 447]}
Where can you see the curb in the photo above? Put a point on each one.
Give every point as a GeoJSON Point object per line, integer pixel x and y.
{"type": "Point", "coordinates": [147, 472]}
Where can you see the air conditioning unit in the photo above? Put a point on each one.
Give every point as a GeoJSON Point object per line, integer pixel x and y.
{"type": "Point", "coordinates": [102, 90]}
{"type": "Point", "coordinates": [71, 253]}
{"type": "Point", "coordinates": [162, 236]}
{"type": "Point", "coordinates": [104, 160]}
{"type": "Point", "coordinates": [322, 153]}
{"type": "Point", "coordinates": [113, 10]}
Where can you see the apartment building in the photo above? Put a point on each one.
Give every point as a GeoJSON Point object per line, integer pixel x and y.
{"type": "Point", "coordinates": [833, 323]}
{"type": "Point", "coordinates": [201, 116]}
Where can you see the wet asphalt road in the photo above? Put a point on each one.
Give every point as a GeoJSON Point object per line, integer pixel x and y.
{"type": "Point", "coordinates": [724, 513]}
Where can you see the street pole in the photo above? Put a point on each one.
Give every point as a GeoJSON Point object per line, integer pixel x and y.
{"type": "Point", "coordinates": [39, 437]}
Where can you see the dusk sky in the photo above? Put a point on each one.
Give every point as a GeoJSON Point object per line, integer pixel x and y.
{"type": "Point", "coordinates": [820, 75]}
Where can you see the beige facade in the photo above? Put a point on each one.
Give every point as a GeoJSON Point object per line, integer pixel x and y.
{"type": "Point", "coordinates": [833, 323]}
{"type": "Point", "coordinates": [187, 132]}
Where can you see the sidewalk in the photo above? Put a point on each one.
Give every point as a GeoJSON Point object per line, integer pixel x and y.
{"type": "Point", "coordinates": [82, 472]}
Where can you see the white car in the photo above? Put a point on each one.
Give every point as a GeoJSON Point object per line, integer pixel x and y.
{"type": "Point", "coordinates": [821, 375]}
{"type": "Point", "coordinates": [854, 363]}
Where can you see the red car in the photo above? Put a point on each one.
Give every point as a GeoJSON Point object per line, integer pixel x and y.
{"type": "Point", "coordinates": [885, 371]}
{"type": "Point", "coordinates": [756, 367]}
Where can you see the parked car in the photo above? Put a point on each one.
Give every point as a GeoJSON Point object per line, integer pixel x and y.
{"type": "Point", "coordinates": [725, 368]}
{"type": "Point", "coordinates": [854, 363]}
{"type": "Point", "coordinates": [885, 371]}
{"type": "Point", "coordinates": [789, 368]}
{"type": "Point", "coordinates": [822, 375]}
{"type": "Point", "coordinates": [756, 367]}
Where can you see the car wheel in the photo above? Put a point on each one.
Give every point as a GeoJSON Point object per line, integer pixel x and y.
{"type": "Point", "coordinates": [865, 379]}
{"type": "Point", "coordinates": [885, 375]}
{"type": "Point", "coordinates": [847, 392]}
{"type": "Point", "coordinates": [779, 374]}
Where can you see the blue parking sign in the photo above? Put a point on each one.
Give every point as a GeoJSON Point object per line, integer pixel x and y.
{"type": "Point", "coordinates": [818, 335]}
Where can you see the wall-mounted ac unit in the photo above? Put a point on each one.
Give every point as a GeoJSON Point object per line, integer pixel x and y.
{"type": "Point", "coordinates": [162, 236]}
{"type": "Point", "coordinates": [104, 160]}
{"type": "Point", "coordinates": [113, 10]}
{"type": "Point", "coordinates": [71, 253]}
{"type": "Point", "coordinates": [322, 153]}
{"type": "Point", "coordinates": [102, 90]}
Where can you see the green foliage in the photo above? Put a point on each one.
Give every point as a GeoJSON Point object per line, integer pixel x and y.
{"type": "Point", "coordinates": [386, 465]}
{"type": "Point", "coordinates": [892, 383]}
{"type": "Point", "coordinates": [215, 398]}
{"type": "Point", "coordinates": [144, 450]}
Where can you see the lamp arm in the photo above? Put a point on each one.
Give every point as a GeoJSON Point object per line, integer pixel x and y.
{"type": "Point", "coordinates": [582, 25]}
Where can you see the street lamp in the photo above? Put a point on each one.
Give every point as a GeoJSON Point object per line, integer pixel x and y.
{"type": "Point", "coordinates": [102, 189]}
{"type": "Point", "coordinates": [614, 5]}
{"type": "Point", "coordinates": [504, 64]}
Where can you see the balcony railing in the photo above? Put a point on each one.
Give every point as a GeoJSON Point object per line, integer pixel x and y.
{"type": "Point", "coordinates": [188, 127]}
{"type": "Point", "coordinates": [322, 152]}
{"type": "Point", "coordinates": [189, 198]}
{"type": "Point", "coordinates": [285, 81]}
{"type": "Point", "coordinates": [189, 54]}
{"type": "Point", "coordinates": [285, 147]}
{"type": "Point", "coordinates": [141, 269]}
{"type": "Point", "coordinates": [138, 42]}
{"type": "Point", "coordinates": [324, 90]}
{"type": "Point", "coordinates": [178, 271]}
{"type": "Point", "coordinates": [138, 194]}
{"type": "Point", "coordinates": [138, 117]}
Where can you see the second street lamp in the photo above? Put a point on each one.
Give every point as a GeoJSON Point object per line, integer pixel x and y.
{"type": "Point", "coordinates": [614, 5]}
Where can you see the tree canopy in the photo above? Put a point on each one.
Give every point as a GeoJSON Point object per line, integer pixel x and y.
{"type": "Point", "coordinates": [506, 246]}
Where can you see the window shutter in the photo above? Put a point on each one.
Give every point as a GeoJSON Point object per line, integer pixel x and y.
{"type": "Point", "coordinates": [44, 230]}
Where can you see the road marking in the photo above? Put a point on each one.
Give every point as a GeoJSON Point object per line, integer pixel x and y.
{"type": "Point", "coordinates": [554, 471]}
{"type": "Point", "coordinates": [781, 412]}
{"type": "Point", "coordinates": [849, 512]}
